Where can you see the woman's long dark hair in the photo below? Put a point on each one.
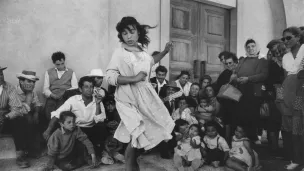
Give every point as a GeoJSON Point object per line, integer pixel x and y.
{"type": "Point", "coordinates": [125, 22]}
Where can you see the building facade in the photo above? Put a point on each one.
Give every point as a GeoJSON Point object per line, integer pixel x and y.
{"type": "Point", "coordinates": [31, 30]}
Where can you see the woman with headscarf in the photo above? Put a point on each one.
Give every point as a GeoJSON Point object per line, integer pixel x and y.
{"type": "Point", "coordinates": [249, 76]}
{"type": "Point", "coordinates": [292, 120]}
{"type": "Point", "coordinates": [252, 49]}
{"type": "Point", "coordinates": [183, 82]}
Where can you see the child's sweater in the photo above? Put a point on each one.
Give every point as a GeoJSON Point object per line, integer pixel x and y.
{"type": "Point", "coordinates": [205, 113]}
{"type": "Point", "coordinates": [61, 143]}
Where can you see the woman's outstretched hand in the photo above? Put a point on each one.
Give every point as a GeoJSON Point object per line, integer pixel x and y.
{"type": "Point", "coordinates": [141, 76]}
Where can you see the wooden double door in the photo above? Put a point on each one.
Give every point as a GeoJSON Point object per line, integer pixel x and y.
{"type": "Point", "coordinates": [199, 33]}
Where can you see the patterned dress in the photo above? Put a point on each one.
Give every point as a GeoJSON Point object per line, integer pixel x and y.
{"type": "Point", "coordinates": [239, 151]}
{"type": "Point", "coordinates": [145, 121]}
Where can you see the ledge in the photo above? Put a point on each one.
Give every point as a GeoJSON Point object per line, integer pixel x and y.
{"type": "Point", "coordinates": [228, 4]}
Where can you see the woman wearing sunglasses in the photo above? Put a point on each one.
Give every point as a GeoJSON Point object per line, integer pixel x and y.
{"type": "Point", "coordinates": [292, 121]}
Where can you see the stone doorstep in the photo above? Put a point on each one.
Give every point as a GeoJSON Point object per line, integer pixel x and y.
{"type": "Point", "coordinates": [7, 147]}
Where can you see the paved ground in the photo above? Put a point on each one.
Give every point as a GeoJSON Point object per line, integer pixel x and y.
{"type": "Point", "coordinates": [153, 162]}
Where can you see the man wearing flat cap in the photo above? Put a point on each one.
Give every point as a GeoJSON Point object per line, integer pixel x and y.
{"type": "Point", "coordinates": [12, 118]}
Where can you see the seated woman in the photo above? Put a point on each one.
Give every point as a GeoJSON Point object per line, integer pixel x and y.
{"type": "Point", "coordinates": [194, 93]}
{"type": "Point", "coordinates": [205, 81]}
{"type": "Point", "coordinates": [183, 82]}
{"type": "Point", "coordinates": [209, 90]}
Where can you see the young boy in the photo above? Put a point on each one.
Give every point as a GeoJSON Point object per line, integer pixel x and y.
{"type": "Point", "coordinates": [64, 149]}
{"type": "Point", "coordinates": [57, 80]}
{"type": "Point", "coordinates": [113, 147]}
{"type": "Point", "coordinates": [184, 111]}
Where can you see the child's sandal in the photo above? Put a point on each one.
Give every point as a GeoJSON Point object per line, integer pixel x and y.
{"type": "Point", "coordinates": [120, 157]}
{"type": "Point", "coordinates": [107, 160]}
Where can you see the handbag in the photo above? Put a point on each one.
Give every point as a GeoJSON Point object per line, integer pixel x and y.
{"type": "Point", "coordinates": [264, 110]}
{"type": "Point", "coordinates": [228, 91]}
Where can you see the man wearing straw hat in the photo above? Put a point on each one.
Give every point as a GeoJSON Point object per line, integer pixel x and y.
{"type": "Point", "coordinates": [31, 103]}
{"type": "Point", "coordinates": [12, 118]}
{"type": "Point", "coordinates": [27, 96]}
{"type": "Point", "coordinates": [97, 75]}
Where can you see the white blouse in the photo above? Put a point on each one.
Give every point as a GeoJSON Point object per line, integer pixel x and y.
{"type": "Point", "coordinates": [293, 65]}
{"type": "Point", "coordinates": [186, 88]}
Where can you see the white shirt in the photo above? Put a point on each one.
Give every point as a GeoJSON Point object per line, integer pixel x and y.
{"type": "Point", "coordinates": [1, 88]}
{"type": "Point", "coordinates": [46, 87]}
{"type": "Point", "coordinates": [293, 65]}
{"type": "Point", "coordinates": [85, 115]}
{"type": "Point", "coordinates": [186, 88]}
{"type": "Point", "coordinates": [160, 85]}
{"type": "Point", "coordinates": [212, 143]}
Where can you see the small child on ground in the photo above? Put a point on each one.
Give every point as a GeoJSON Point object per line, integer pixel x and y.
{"type": "Point", "coordinates": [214, 147]}
{"type": "Point", "coordinates": [242, 157]}
{"type": "Point", "coordinates": [113, 147]}
{"type": "Point", "coordinates": [64, 149]}
{"type": "Point", "coordinates": [186, 156]}
{"type": "Point", "coordinates": [183, 112]}
{"type": "Point", "coordinates": [204, 111]}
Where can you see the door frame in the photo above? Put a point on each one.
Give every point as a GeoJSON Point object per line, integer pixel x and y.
{"type": "Point", "coordinates": [165, 11]}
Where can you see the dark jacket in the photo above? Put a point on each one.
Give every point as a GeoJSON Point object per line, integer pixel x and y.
{"type": "Point", "coordinates": [257, 72]}
{"type": "Point", "coordinates": [169, 107]}
{"type": "Point", "coordinates": [162, 92]}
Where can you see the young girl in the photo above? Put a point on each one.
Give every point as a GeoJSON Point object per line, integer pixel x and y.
{"type": "Point", "coordinates": [186, 155]}
{"type": "Point", "coordinates": [242, 156]}
{"type": "Point", "coordinates": [142, 112]}
{"type": "Point", "coordinates": [215, 148]}
{"type": "Point", "coordinates": [184, 112]}
{"type": "Point", "coordinates": [204, 111]}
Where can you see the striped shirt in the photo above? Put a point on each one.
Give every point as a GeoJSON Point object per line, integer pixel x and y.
{"type": "Point", "coordinates": [10, 103]}
{"type": "Point", "coordinates": [22, 96]}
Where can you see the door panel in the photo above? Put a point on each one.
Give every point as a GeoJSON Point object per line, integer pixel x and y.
{"type": "Point", "coordinates": [184, 35]}
{"type": "Point", "coordinates": [214, 36]}
{"type": "Point", "coordinates": [199, 32]}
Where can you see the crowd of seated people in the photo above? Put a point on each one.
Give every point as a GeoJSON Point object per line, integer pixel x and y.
{"type": "Point", "coordinates": [79, 118]}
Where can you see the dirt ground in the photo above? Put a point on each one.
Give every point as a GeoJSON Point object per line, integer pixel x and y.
{"type": "Point", "coordinates": [153, 162]}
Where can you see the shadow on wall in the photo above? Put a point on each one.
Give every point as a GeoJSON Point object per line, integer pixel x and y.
{"type": "Point", "coordinates": [278, 17]}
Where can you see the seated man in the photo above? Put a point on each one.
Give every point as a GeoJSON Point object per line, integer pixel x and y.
{"type": "Point", "coordinates": [12, 119]}
{"type": "Point", "coordinates": [159, 81]}
{"type": "Point", "coordinates": [98, 75]}
{"type": "Point", "coordinates": [88, 110]}
{"type": "Point", "coordinates": [57, 80]}
{"type": "Point", "coordinates": [171, 93]}
{"type": "Point", "coordinates": [30, 101]}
